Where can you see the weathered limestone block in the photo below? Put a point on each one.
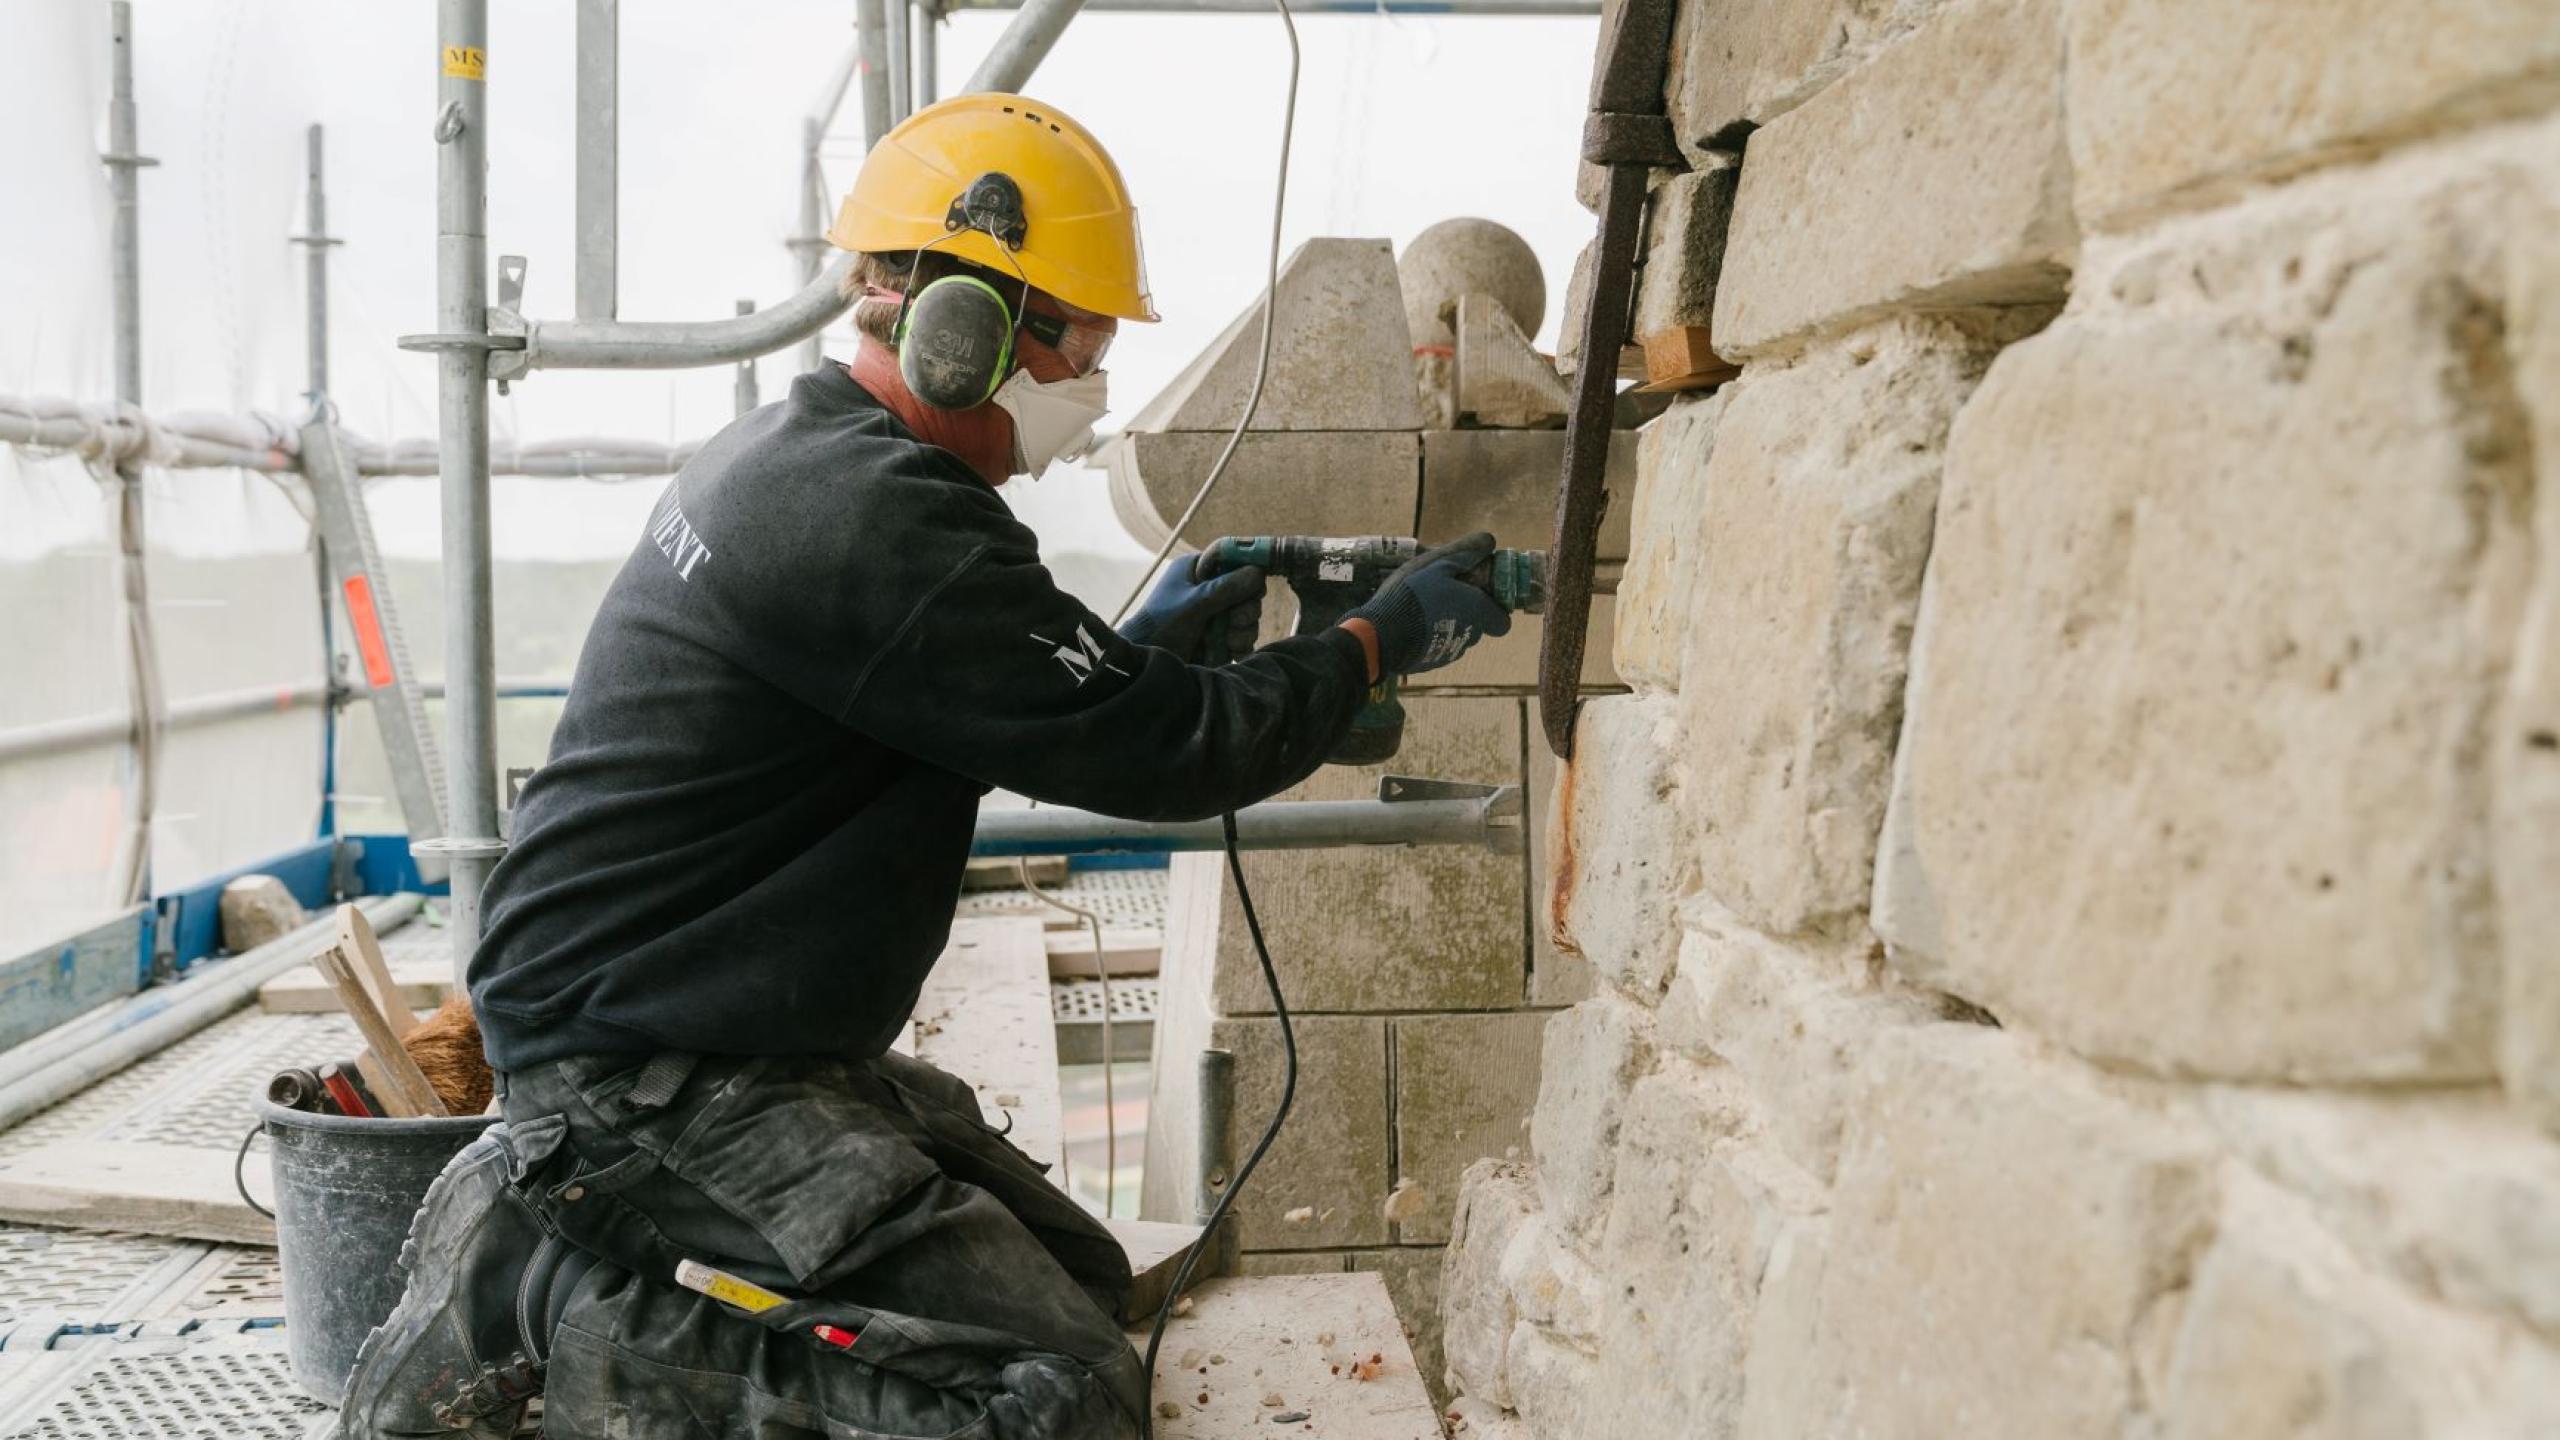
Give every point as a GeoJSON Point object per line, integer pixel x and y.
{"type": "Point", "coordinates": [1700, 1203]}
{"type": "Point", "coordinates": [1618, 869]}
{"type": "Point", "coordinates": [1740, 63]}
{"type": "Point", "coordinates": [2195, 775]}
{"type": "Point", "coordinates": [1594, 1054]}
{"type": "Point", "coordinates": [1430, 928]}
{"type": "Point", "coordinates": [1809, 548]}
{"type": "Point", "coordinates": [256, 909]}
{"type": "Point", "coordinates": [2283, 1334]}
{"type": "Point", "coordinates": [1665, 525]}
{"type": "Point", "coordinates": [1935, 175]}
{"type": "Point", "coordinates": [1289, 482]}
{"type": "Point", "coordinates": [2259, 91]}
{"type": "Point", "coordinates": [1684, 251]}
{"type": "Point", "coordinates": [1464, 1086]}
{"type": "Point", "coordinates": [1471, 1419]}
{"type": "Point", "coordinates": [2527, 753]}
{"type": "Point", "coordinates": [1793, 1019]}
{"type": "Point", "coordinates": [1497, 1201]}
{"type": "Point", "coordinates": [2447, 1191]}
{"type": "Point", "coordinates": [1331, 1158]}
{"type": "Point", "coordinates": [1553, 1377]}
{"type": "Point", "coordinates": [2000, 1230]}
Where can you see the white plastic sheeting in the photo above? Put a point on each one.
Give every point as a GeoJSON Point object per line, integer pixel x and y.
{"type": "Point", "coordinates": [1402, 123]}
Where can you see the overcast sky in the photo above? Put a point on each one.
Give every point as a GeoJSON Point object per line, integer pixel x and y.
{"type": "Point", "coordinates": [1401, 122]}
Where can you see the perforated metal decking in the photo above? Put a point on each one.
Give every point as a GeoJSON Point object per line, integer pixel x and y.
{"type": "Point", "coordinates": [107, 1336]}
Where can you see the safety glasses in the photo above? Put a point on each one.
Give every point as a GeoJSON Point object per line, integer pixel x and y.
{"type": "Point", "coordinates": [1081, 346]}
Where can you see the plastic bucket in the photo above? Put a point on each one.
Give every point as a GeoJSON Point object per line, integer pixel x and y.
{"type": "Point", "coordinates": [346, 1190]}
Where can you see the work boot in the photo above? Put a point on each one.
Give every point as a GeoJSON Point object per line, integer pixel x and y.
{"type": "Point", "coordinates": [463, 1352]}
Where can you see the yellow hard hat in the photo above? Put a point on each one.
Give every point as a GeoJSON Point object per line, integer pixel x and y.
{"type": "Point", "coordinates": [1080, 241]}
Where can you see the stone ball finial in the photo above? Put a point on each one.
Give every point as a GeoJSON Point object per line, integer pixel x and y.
{"type": "Point", "coordinates": [1468, 256]}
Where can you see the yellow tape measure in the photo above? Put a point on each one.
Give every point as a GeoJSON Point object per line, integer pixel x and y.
{"type": "Point", "coordinates": [726, 1288]}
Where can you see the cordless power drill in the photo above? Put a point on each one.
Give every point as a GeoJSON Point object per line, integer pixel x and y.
{"type": "Point", "coordinates": [1332, 576]}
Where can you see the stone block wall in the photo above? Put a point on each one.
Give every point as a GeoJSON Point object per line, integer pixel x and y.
{"type": "Point", "coordinates": [2071, 900]}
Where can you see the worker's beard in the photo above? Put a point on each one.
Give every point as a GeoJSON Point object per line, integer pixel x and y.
{"type": "Point", "coordinates": [982, 435]}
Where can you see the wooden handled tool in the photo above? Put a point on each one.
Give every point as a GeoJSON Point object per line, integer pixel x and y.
{"type": "Point", "coordinates": [396, 1079]}
{"type": "Point", "coordinates": [356, 941]}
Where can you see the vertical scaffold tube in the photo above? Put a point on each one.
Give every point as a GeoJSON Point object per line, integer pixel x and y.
{"type": "Point", "coordinates": [142, 651]}
{"type": "Point", "coordinates": [462, 393]}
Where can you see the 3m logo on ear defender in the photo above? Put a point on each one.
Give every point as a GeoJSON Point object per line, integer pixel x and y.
{"type": "Point", "coordinates": [1081, 658]}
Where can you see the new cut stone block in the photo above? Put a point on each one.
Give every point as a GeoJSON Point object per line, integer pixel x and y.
{"type": "Point", "coordinates": [1595, 1052]}
{"type": "Point", "coordinates": [2196, 774]}
{"type": "Point", "coordinates": [1619, 869]}
{"type": "Point", "coordinates": [2260, 91]}
{"type": "Point", "coordinates": [1281, 482]}
{"type": "Point", "coordinates": [1464, 1086]}
{"type": "Point", "coordinates": [1435, 927]}
{"type": "Point", "coordinates": [1341, 356]}
{"type": "Point", "coordinates": [1506, 482]}
{"type": "Point", "coordinates": [1666, 533]}
{"type": "Point", "coordinates": [1412, 1273]}
{"type": "Point", "coordinates": [2000, 1228]}
{"type": "Point", "coordinates": [1331, 1158]}
{"type": "Point", "coordinates": [1809, 548]}
{"type": "Point", "coordinates": [1934, 176]}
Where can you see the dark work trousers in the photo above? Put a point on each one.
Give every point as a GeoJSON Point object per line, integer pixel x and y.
{"type": "Point", "coordinates": [872, 1194]}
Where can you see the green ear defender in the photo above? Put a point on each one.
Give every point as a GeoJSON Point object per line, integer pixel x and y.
{"type": "Point", "coordinates": [955, 342]}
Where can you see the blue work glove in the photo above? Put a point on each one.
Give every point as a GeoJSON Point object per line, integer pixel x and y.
{"type": "Point", "coordinates": [1428, 613]}
{"type": "Point", "coordinates": [1183, 612]}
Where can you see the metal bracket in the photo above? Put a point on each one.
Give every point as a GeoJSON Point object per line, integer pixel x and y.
{"type": "Point", "coordinates": [459, 847]}
{"type": "Point", "coordinates": [1397, 788]}
{"type": "Point", "coordinates": [506, 321]}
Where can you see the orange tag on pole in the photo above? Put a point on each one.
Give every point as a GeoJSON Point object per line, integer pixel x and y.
{"type": "Point", "coordinates": [368, 626]}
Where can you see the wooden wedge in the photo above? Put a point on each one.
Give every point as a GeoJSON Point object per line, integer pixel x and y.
{"type": "Point", "coordinates": [356, 941]}
{"type": "Point", "coordinates": [396, 1079]}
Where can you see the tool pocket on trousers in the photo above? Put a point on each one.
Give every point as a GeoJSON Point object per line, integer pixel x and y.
{"type": "Point", "coordinates": [794, 1155]}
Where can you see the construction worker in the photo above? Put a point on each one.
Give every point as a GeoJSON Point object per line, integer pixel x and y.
{"type": "Point", "coordinates": [728, 881]}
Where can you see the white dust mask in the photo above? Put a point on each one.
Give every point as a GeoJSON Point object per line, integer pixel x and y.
{"type": "Point", "coordinates": [1052, 420]}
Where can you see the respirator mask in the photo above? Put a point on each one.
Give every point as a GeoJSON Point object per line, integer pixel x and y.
{"type": "Point", "coordinates": [1054, 419]}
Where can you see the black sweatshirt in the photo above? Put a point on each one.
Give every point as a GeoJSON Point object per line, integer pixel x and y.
{"type": "Point", "coordinates": [830, 640]}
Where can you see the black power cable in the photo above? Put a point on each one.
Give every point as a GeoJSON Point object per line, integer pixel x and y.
{"type": "Point", "coordinates": [1270, 1132]}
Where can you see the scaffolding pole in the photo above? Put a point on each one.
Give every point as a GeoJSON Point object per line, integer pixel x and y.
{"type": "Point", "coordinates": [462, 393]}
{"type": "Point", "coordinates": [1023, 45]}
{"type": "Point", "coordinates": [316, 242]}
{"type": "Point", "coordinates": [124, 160]}
{"type": "Point", "coordinates": [928, 28]}
{"type": "Point", "coordinates": [599, 155]}
{"type": "Point", "coordinates": [743, 396]}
